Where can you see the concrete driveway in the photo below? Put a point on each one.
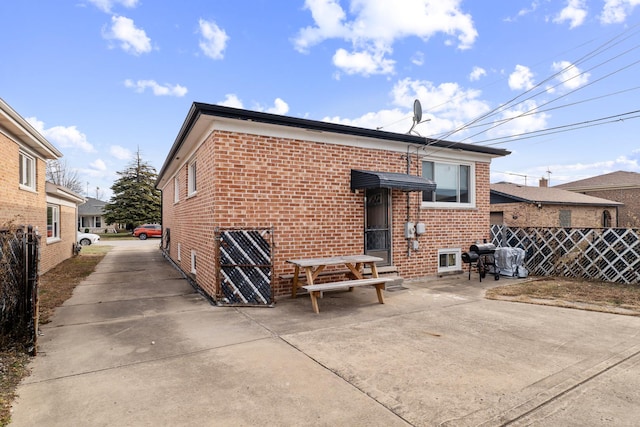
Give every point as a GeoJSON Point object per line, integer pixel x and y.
{"type": "Point", "coordinates": [136, 346]}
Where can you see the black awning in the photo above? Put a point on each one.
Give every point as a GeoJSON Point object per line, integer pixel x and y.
{"type": "Point", "coordinates": [401, 181]}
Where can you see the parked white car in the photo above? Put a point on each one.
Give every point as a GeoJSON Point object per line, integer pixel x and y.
{"type": "Point", "coordinates": [86, 239]}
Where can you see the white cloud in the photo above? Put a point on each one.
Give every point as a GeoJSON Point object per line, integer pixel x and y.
{"type": "Point", "coordinates": [132, 40]}
{"type": "Point", "coordinates": [575, 12]}
{"type": "Point", "coordinates": [214, 39]}
{"type": "Point", "coordinates": [445, 106]}
{"type": "Point", "coordinates": [365, 63]}
{"type": "Point", "coordinates": [375, 26]}
{"type": "Point", "coordinates": [477, 73]}
{"type": "Point", "coordinates": [107, 5]}
{"type": "Point", "coordinates": [418, 59]}
{"type": "Point", "coordinates": [231, 100]}
{"type": "Point", "coordinates": [521, 78]}
{"type": "Point", "coordinates": [158, 89]}
{"type": "Point", "coordinates": [571, 78]}
{"type": "Point", "coordinates": [63, 136]}
{"type": "Point", "coordinates": [517, 120]}
{"type": "Point", "coordinates": [616, 11]}
{"type": "Point", "coordinates": [279, 107]}
{"type": "Point", "coordinates": [98, 164]}
{"type": "Point", "coordinates": [120, 153]}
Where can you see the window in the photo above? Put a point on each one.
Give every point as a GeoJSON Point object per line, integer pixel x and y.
{"type": "Point", "coordinates": [53, 222]}
{"type": "Point", "coordinates": [27, 171]}
{"type": "Point", "coordinates": [606, 219]}
{"type": "Point", "coordinates": [176, 190]}
{"type": "Point", "coordinates": [98, 221]}
{"type": "Point", "coordinates": [565, 218]}
{"type": "Point", "coordinates": [193, 261]}
{"type": "Point", "coordinates": [179, 253]}
{"type": "Point", "coordinates": [454, 183]}
{"type": "Point", "coordinates": [449, 260]}
{"type": "Point", "coordinates": [192, 175]}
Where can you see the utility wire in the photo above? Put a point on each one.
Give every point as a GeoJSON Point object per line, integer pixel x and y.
{"type": "Point", "coordinates": [603, 47]}
{"type": "Point", "coordinates": [563, 128]}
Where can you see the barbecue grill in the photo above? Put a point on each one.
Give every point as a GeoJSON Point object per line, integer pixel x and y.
{"type": "Point", "coordinates": [481, 256]}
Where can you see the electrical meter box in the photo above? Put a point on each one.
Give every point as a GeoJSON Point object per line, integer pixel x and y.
{"type": "Point", "coordinates": [409, 230]}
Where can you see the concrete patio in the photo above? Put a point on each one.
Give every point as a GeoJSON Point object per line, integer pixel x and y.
{"type": "Point", "coordinates": [135, 345]}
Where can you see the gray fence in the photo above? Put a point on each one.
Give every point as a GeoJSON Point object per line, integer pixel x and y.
{"type": "Point", "coordinates": [605, 254]}
{"type": "Point", "coordinates": [19, 292]}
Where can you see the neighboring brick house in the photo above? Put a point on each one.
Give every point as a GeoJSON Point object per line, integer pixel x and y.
{"type": "Point", "coordinates": [522, 206]}
{"type": "Point", "coordinates": [91, 217]}
{"type": "Point", "coordinates": [26, 198]}
{"type": "Point", "coordinates": [621, 186]}
{"type": "Point", "coordinates": [325, 188]}
{"type": "Point", "coordinates": [61, 236]}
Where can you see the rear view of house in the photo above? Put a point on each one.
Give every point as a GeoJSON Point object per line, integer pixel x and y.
{"type": "Point", "coordinates": [321, 189]}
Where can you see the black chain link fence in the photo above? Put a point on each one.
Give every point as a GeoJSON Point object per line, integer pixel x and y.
{"type": "Point", "coordinates": [19, 251]}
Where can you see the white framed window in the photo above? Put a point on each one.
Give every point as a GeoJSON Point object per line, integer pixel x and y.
{"type": "Point", "coordinates": [27, 171]}
{"type": "Point", "coordinates": [176, 190]}
{"type": "Point", "coordinates": [455, 184]}
{"type": "Point", "coordinates": [53, 223]}
{"type": "Point", "coordinates": [179, 253]}
{"type": "Point", "coordinates": [192, 178]}
{"type": "Point", "coordinates": [449, 260]}
{"type": "Point", "coordinates": [193, 261]}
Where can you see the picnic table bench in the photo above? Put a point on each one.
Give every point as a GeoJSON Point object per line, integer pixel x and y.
{"type": "Point", "coordinates": [313, 267]}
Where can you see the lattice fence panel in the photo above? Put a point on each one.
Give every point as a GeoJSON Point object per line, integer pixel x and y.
{"type": "Point", "coordinates": [609, 254]}
{"type": "Point", "coordinates": [245, 266]}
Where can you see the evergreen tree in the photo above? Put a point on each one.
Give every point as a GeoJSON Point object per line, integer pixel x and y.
{"type": "Point", "coordinates": [135, 199]}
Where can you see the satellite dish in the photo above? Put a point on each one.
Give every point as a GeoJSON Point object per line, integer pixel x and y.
{"type": "Point", "coordinates": [417, 111]}
{"type": "Point", "coordinates": [417, 116]}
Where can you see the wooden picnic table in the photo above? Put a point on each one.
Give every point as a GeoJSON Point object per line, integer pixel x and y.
{"type": "Point", "coordinates": [355, 264]}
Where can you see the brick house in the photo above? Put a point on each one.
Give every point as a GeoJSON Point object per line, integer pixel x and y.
{"type": "Point", "coordinates": [26, 198]}
{"type": "Point", "coordinates": [525, 206]}
{"type": "Point", "coordinates": [326, 189]}
{"type": "Point", "coordinates": [621, 186]}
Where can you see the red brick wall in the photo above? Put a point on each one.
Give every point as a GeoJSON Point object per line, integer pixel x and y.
{"type": "Point", "coordinates": [302, 189]}
{"type": "Point", "coordinates": [529, 215]}
{"type": "Point", "coordinates": [18, 206]}
{"type": "Point", "coordinates": [55, 252]}
{"type": "Point", "coordinates": [629, 214]}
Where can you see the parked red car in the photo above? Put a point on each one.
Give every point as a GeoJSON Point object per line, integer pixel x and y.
{"type": "Point", "coordinates": [147, 230]}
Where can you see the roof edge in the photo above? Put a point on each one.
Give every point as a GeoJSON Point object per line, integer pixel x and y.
{"type": "Point", "coordinates": [198, 108]}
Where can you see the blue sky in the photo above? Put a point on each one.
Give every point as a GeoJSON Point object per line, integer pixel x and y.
{"type": "Point", "coordinates": [102, 78]}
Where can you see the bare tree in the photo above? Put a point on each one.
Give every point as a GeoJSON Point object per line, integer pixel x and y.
{"type": "Point", "coordinates": [59, 173]}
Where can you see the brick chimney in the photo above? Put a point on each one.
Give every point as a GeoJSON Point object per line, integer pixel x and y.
{"type": "Point", "coordinates": [544, 182]}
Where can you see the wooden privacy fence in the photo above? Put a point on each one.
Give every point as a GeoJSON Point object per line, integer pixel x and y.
{"type": "Point", "coordinates": [605, 254]}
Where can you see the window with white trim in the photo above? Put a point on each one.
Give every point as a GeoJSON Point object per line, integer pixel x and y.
{"type": "Point", "coordinates": [176, 190]}
{"type": "Point", "coordinates": [27, 171]}
{"type": "Point", "coordinates": [53, 222]}
{"type": "Point", "coordinates": [449, 260]}
{"type": "Point", "coordinates": [193, 261]}
{"type": "Point", "coordinates": [454, 184]}
{"type": "Point", "coordinates": [192, 175]}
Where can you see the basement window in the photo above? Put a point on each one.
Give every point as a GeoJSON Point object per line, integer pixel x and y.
{"type": "Point", "coordinates": [449, 260]}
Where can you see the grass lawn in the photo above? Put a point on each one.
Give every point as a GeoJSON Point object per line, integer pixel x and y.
{"type": "Point", "coordinates": [573, 293]}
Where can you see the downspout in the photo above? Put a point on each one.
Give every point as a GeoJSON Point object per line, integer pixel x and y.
{"type": "Point", "coordinates": [408, 202]}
